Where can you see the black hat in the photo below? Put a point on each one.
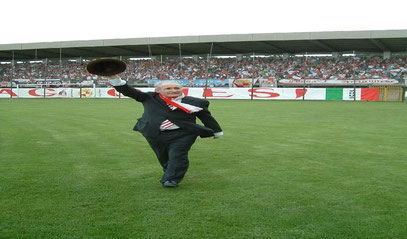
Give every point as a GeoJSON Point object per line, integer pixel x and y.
{"type": "Point", "coordinates": [106, 67]}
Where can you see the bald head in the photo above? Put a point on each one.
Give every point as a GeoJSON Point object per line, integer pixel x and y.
{"type": "Point", "coordinates": [163, 82]}
{"type": "Point", "coordinates": [169, 89]}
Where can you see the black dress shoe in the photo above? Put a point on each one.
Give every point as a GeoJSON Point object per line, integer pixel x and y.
{"type": "Point", "coordinates": [170, 184]}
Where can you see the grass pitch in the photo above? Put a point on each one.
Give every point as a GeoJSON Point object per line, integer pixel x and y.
{"type": "Point", "coordinates": [73, 168]}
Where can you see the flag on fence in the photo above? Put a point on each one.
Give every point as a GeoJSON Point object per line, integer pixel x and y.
{"type": "Point", "coordinates": [334, 94]}
{"type": "Point", "coordinates": [368, 94]}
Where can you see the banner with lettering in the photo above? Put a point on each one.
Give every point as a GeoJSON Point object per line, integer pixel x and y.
{"type": "Point", "coordinates": [371, 94]}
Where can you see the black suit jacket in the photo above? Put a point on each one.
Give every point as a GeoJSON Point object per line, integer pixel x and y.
{"type": "Point", "coordinates": [156, 111]}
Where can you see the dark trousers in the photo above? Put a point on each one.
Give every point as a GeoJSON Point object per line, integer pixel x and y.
{"type": "Point", "coordinates": [171, 148]}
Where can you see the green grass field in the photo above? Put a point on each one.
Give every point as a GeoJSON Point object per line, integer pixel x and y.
{"type": "Point", "coordinates": [73, 168]}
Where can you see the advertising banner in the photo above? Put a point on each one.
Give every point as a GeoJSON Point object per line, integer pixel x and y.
{"type": "Point", "coordinates": [371, 94]}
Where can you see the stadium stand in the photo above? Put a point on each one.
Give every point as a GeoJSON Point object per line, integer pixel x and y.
{"type": "Point", "coordinates": [140, 71]}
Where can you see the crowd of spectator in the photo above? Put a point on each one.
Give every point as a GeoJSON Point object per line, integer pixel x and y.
{"type": "Point", "coordinates": [139, 71]}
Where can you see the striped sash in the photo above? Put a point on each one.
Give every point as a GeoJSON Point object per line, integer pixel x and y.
{"type": "Point", "coordinates": [166, 125]}
{"type": "Point", "coordinates": [172, 104]}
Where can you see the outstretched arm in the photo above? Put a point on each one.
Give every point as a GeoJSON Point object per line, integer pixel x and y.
{"type": "Point", "coordinates": [122, 87]}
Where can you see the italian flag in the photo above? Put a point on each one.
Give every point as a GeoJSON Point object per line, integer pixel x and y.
{"type": "Point", "coordinates": [367, 94]}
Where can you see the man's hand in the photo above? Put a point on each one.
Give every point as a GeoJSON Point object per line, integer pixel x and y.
{"type": "Point", "coordinates": [115, 80]}
{"type": "Point", "coordinates": [218, 135]}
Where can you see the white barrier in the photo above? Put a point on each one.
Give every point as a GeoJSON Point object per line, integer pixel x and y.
{"type": "Point", "coordinates": [211, 93]}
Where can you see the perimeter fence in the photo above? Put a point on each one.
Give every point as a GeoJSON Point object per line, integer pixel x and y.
{"type": "Point", "coordinates": [250, 89]}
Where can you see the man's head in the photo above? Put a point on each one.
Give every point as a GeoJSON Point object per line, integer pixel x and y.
{"type": "Point", "coordinates": [169, 89]}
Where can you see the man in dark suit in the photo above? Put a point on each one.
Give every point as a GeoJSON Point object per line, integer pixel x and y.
{"type": "Point", "coordinates": [169, 125]}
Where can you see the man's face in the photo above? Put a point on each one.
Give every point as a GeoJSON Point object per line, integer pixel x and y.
{"type": "Point", "coordinates": [170, 90]}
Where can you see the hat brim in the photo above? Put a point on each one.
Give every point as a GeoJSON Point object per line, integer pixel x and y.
{"type": "Point", "coordinates": [106, 67]}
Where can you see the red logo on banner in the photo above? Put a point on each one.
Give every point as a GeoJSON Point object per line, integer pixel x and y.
{"type": "Point", "coordinates": [185, 91]}
{"type": "Point", "coordinates": [209, 93]}
{"type": "Point", "coordinates": [300, 92]}
{"type": "Point", "coordinates": [7, 91]}
{"type": "Point", "coordinates": [113, 92]}
{"type": "Point", "coordinates": [85, 93]}
{"type": "Point", "coordinates": [33, 92]}
{"type": "Point", "coordinates": [259, 91]}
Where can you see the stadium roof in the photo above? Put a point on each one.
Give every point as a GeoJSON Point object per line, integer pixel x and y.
{"type": "Point", "coordinates": [266, 43]}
